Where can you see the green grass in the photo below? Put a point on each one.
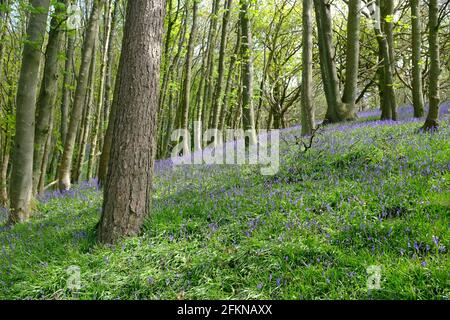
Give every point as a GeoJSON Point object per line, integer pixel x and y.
{"type": "Point", "coordinates": [367, 195]}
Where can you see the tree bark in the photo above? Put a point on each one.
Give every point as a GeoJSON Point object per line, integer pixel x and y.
{"type": "Point", "coordinates": [217, 96]}
{"type": "Point", "coordinates": [80, 95]}
{"type": "Point", "coordinates": [417, 89]}
{"type": "Point", "coordinates": [127, 192]}
{"type": "Point", "coordinates": [22, 170]}
{"type": "Point", "coordinates": [307, 112]}
{"type": "Point", "coordinates": [248, 116]}
{"type": "Point", "coordinates": [431, 122]}
{"type": "Point", "coordinates": [352, 62]}
{"type": "Point", "coordinates": [327, 63]}
{"type": "Point", "coordinates": [186, 95]}
{"type": "Point", "coordinates": [48, 92]}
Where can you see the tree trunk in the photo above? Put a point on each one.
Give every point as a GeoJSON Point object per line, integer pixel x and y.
{"type": "Point", "coordinates": [80, 95]}
{"type": "Point", "coordinates": [352, 63]}
{"type": "Point", "coordinates": [388, 28]}
{"type": "Point", "coordinates": [45, 157]}
{"type": "Point", "coordinates": [48, 93]}
{"type": "Point", "coordinates": [67, 83]}
{"type": "Point", "coordinates": [186, 95]}
{"type": "Point", "coordinates": [101, 92]}
{"type": "Point", "coordinates": [22, 170]}
{"type": "Point", "coordinates": [217, 96]}
{"type": "Point", "coordinates": [431, 122]}
{"type": "Point", "coordinates": [307, 112]}
{"type": "Point", "coordinates": [86, 121]}
{"type": "Point", "coordinates": [127, 192]}
{"type": "Point", "coordinates": [417, 89]}
{"type": "Point", "coordinates": [248, 117]}
{"type": "Point", "coordinates": [209, 63]}
{"type": "Point", "coordinates": [328, 66]}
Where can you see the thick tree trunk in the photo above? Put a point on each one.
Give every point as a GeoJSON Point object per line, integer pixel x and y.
{"type": "Point", "coordinates": [352, 63]}
{"type": "Point", "coordinates": [48, 93]}
{"type": "Point", "coordinates": [127, 192]}
{"type": "Point", "coordinates": [248, 117]}
{"type": "Point", "coordinates": [22, 169]}
{"type": "Point", "coordinates": [80, 95]}
{"type": "Point", "coordinates": [307, 112]}
{"type": "Point", "coordinates": [417, 89]}
{"type": "Point", "coordinates": [328, 66]}
{"type": "Point", "coordinates": [431, 122]}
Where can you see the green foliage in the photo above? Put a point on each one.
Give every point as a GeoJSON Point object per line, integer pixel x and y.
{"type": "Point", "coordinates": [363, 195]}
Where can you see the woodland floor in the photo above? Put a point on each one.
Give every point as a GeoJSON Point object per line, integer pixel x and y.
{"type": "Point", "coordinates": [367, 193]}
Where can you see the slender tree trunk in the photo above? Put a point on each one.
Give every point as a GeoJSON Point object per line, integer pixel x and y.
{"type": "Point", "coordinates": [186, 95]}
{"type": "Point", "coordinates": [388, 28]}
{"type": "Point", "coordinates": [80, 95]}
{"type": "Point", "coordinates": [387, 93]}
{"type": "Point", "coordinates": [127, 192]}
{"type": "Point", "coordinates": [307, 116]}
{"type": "Point", "coordinates": [4, 175]}
{"type": "Point", "coordinates": [86, 121]}
{"type": "Point", "coordinates": [352, 63]}
{"type": "Point", "coordinates": [231, 72]}
{"type": "Point", "coordinates": [101, 100]}
{"type": "Point", "coordinates": [248, 116]}
{"type": "Point", "coordinates": [210, 64]}
{"type": "Point", "coordinates": [217, 96]}
{"type": "Point", "coordinates": [22, 170]}
{"type": "Point", "coordinates": [45, 157]}
{"type": "Point", "coordinates": [435, 68]}
{"type": "Point", "coordinates": [67, 84]}
{"type": "Point", "coordinates": [48, 93]}
{"type": "Point", "coordinates": [417, 89]}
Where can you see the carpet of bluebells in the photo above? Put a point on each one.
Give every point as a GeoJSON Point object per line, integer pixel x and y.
{"type": "Point", "coordinates": [368, 193]}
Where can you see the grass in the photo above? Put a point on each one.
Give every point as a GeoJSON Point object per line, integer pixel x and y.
{"type": "Point", "coordinates": [367, 193]}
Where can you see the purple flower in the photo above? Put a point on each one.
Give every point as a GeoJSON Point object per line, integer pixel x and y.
{"type": "Point", "coordinates": [259, 286]}
{"type": "Point", "coordinates": [150, 280]}
{"type": "Point", "coordinates": [424, 263]}
{"type": "Point", "coordinates": [278, 282]}
{"type": "Point", "coordinates": [436, 240]}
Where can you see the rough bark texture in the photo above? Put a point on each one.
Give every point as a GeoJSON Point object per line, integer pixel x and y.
{"type": "Point", "coordinates": [417, 90]}
{"type": "Point", "coordinates": [248, 116]}
{"type": "Point", "coordinates": [307, 112]}
{"type": "Point", "coordinates": [22, 161]}
{"type": "Point", "coordinates": [48, 93]}
{"type": "Point", "coordinates": [80, 96]}
{"type": "Point", "coordinates": [127, 192]}
{"type": "Point", "coordinates": [435, 70]}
